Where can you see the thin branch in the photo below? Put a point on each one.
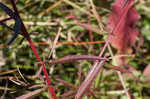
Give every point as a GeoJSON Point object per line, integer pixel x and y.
{"type": "Point", "coordinates": [32, 94]}
{"type": "Point", "coordinates": [119, 74]}
{"type": "Point", "coordinates": [55, 41]}
{"type": "Point", "coordinates": [96, 15]}
{"type": "Point", "coordinates": [73, 58]}
{"type": "Point", "coordinates": [50, 8]}
{"type": "Point", "coordinates": [21, 74]}
{"type": "Point", "coordinates": [25, 33]}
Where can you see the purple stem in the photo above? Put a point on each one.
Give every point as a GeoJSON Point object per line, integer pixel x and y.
{"type": "Point", "coordinates": [73, 58]}
{"type": "Point", "coordinates": [91, 75]}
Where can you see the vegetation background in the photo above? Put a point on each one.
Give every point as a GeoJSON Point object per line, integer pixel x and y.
{"type": "Point", "coordinates": [47, 23]}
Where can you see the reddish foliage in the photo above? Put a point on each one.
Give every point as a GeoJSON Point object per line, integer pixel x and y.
{"type": "Point", "coordinates": [122, 21]}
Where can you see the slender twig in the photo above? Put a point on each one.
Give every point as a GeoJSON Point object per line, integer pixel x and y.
{"type": "Point", "coordinates": [96, 15]}
{"type": "Point", "coordinates": [8, 72]}
{"type": "Point", "coordinates": [55, 41]}
{"type": "Point", "coordinates": [32, 94]}
{"type": "Point", "coordinates": [50, 8]}
{"type": "Point", "coordinates": [21, 74]}
{"type": "Point", "coordinates": [25, 33]}
{"type": "Point", "coordinates": [119, 73]}
{"type": "Point", "coordinates": [121, 55]}
{"type": "Point", "coordinates": [116, 92]}
{"type": "Point", "coordinates": [73, 58]}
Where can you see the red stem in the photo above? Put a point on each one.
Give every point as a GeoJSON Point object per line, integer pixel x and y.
{"type": "Point", "coordinates": [25, 33]}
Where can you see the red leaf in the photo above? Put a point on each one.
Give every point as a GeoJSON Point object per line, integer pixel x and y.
{"type": "Point", "coordinates": [122, 21]}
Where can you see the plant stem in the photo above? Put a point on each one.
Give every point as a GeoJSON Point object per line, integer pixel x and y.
{"type": "Point", "coordinates": [25, 33]}
{"type": "Point", "coordinates": [119, 74]}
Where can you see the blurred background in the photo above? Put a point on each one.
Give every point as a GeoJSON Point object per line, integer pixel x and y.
{"type": "Point", "coordinates": [56, 36]}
